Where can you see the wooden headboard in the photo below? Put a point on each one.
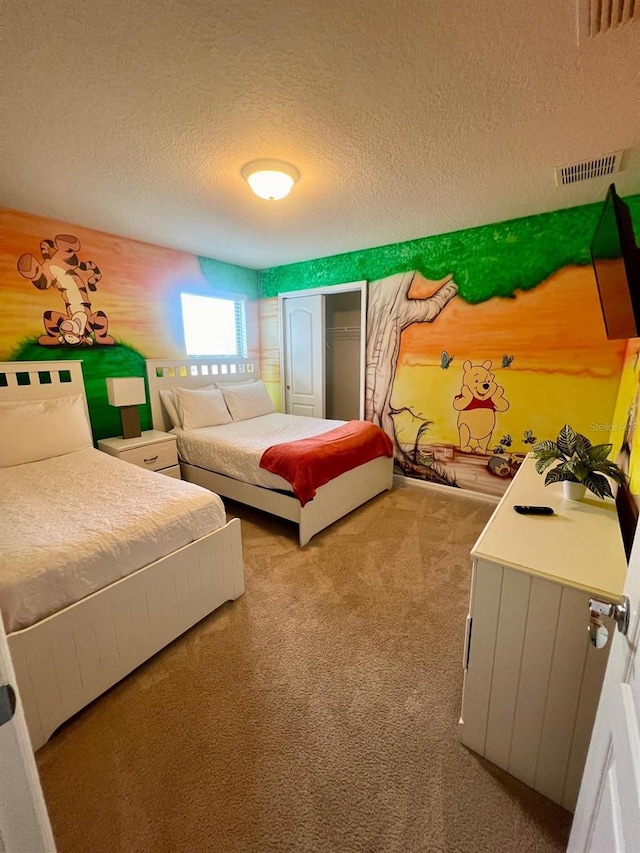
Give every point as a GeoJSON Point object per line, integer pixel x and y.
{"type": "Point", "coordinates": [193, 373]}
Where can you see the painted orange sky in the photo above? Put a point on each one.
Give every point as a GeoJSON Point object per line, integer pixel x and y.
{"type": "Point", "coordinates": [139, 286]}
{"type": "Point", "coordinates": [556, 326]}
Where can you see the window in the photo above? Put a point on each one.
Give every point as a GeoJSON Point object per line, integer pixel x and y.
{"type": "Point", "coordinates": [214, 325]}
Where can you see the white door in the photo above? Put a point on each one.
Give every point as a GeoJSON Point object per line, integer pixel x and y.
{"type": "Point", "coordinates": [607, 817]}
{"type": "Point", "coordinates": [24, 823]}
{"type": "Point", "coordinates": [304, 355]}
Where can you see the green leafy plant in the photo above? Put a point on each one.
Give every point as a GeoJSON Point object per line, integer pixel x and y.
{"type": "Point", "coordinates": [578, 461]}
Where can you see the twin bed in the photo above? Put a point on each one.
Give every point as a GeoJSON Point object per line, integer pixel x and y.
{"type": "Point", "coordinates": [103, 563]}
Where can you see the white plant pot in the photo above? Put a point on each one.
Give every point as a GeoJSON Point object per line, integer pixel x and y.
{"type": "Point", "coordinates": [573, 491]}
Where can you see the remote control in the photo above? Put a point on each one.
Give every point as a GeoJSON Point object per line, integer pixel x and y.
{"type": "Point", "coordinates": [534, 510]}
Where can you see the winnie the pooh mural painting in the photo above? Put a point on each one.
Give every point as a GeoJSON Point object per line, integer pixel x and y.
{"type": "Point", "coordinates": [463, 388]}
{"type": "Point", "coordinates": [478, 401]}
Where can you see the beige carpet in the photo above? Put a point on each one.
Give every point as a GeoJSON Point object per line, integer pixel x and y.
{"type": "Point", "coordinates": [316, 713]}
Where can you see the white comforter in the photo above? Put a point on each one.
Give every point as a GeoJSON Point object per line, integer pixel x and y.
{"type": "Point", "coordinates": [73, 524]}
{"type": "Point", "coordinates": [235, 449]}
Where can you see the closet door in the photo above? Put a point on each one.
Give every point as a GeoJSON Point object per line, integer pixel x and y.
{"type": "Point", "coordinates": [304, 369]}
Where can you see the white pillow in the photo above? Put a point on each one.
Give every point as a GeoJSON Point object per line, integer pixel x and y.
{"type": "Point", "coordinates": [201, 408]}
{"type": "Point", "coordinates": [249, 400]}
{"type": "Point", "coordinates": [39, 429]}
{"type": "Point", "coordinates": [168, 401]}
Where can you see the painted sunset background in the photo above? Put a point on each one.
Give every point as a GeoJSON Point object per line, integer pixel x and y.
{"type": "Point", "coordinates": [139, 291]}
{"type": "Point", "coordinates": [553, 361]}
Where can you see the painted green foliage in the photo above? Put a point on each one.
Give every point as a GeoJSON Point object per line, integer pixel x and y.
{"type": "Point", "coordinates": [230, 278]}
{"type": "Point", "coordinates": [97, 366]}
{"type": "Point", "coordinates": [492, 260]}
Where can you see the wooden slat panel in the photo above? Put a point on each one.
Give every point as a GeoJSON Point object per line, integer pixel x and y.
{"type": "Point", "coordinates": [487, 582]}
{"type": "Point", "coordinates": [157, 614]}
{"type": "Point", "coordinates": [539, 637]}
{"type": "Point", "coordinates": [140, 619]}
{"type": "Point", "coordinates": [123, 625]}
{"type": "Point", "coordinates": [107, 642]}
{"type": "Point", "coordinates": [170, 600]}
{"type": "Point", "coordinates": [181, 581]}
{"type": "Point", "coordinates": [87, 652]}
{"type": "Point", "coordinates": [512, 619]}
{"type": "Point", "coordinates": [595, 666]}
{"type": "Point", "coordinates": [569, 654]}
{"type": "Point", "coordinates": [67, 667]}
{"type": "Point", "coordinates": [208, 586]}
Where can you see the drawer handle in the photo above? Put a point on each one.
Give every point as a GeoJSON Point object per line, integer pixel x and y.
{"type": "Point", "coordinates": [150, 460]}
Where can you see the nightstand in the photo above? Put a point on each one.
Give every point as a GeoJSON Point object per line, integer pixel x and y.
{"type": "Point", "coordinates": [154, 450]}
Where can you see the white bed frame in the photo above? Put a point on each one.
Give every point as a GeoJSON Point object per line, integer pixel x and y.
{"type": "Point", "coordinates": [332, 501]}
{"type": "Point", "coordinates": [68, 659]}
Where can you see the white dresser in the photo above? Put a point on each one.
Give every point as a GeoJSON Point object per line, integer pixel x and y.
{"type": "Point", "coordinates": [532, 677]}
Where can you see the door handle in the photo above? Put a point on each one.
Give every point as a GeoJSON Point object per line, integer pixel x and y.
{"type": "Point", "coordinates": [618, 611]}
{"type": "Point", "coordinates": [7, 703]}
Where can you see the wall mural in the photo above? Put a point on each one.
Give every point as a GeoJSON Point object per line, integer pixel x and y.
{"type": "Point", "coordinates": [74, 293]}
{"type": "Point", "coordinates": [61, 268]}
{"type": "Point", "coordinates": [464, 390]}
{"type": "Point", "coordinates": [479, 342]}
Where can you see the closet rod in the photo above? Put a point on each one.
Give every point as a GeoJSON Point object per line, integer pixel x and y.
{"type": "Point", "coordinates": [342, 329]}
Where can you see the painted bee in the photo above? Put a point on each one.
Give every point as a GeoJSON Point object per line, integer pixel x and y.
{"type": "Point", "coordinates": [529, 437]}
{"type": "Point", "coordinates": [507, 359]}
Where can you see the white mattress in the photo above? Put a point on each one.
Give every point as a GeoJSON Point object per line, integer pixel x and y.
{"type": "Point", "coordinates": [73, 524]}
{"type": "Point", "coordinates": [235, 449]}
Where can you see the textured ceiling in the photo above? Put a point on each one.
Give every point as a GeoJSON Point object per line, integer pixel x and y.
{"type": "Point", "coordinates": [404, 118]}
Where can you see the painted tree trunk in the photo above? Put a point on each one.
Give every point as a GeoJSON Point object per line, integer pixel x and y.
{"type": "Point", "coordinates": [390, 310]}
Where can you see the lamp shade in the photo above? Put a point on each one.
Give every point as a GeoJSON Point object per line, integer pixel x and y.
{"type": "Point", "coordinates": [126, 391]}
{"type": "Point", "coordinates": [270, 179]}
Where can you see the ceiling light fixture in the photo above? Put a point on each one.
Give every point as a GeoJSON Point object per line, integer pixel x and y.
{"type": "Point", "coordinates": [270, 179]}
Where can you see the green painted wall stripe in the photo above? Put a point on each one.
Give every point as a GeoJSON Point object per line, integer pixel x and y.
{"type": "Point", "coordinates": [229, 277]}
{"type": "Point", "coordinates": [491, 260]}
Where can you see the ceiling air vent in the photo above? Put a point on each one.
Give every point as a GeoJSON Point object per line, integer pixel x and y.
{"type": "Point", "coordinates": [597, 168]}
{"type": "Point", "coordinates": [601, 16]}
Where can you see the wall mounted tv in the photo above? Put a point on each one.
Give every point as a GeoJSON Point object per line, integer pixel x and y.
{"type": "Point", "coordinates": [616, 262]}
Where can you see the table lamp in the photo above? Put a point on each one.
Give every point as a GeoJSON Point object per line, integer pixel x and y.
{"type": "Point", "coordinates": [127, 393]}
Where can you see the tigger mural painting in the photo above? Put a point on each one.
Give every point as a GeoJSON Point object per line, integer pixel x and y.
{"type": "Point", "coordinates": [62, 269]}
{"type": "Point", "coordinates": [108, 301]}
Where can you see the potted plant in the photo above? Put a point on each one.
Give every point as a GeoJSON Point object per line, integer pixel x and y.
{"type": "Point", "coordinates": [581, 465]}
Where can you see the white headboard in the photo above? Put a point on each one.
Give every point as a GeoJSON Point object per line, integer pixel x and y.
{"type": "Point", "coordinates": [40, 380]}
{"type": "Point", "coordinates": [194, 373]}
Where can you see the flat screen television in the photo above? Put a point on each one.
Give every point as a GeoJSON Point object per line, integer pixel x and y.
{"type": "Point", "coordinates": [616, 262]}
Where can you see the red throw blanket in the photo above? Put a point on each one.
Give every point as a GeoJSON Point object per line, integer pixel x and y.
{"type": "Point", "coordinates": [311, 462]}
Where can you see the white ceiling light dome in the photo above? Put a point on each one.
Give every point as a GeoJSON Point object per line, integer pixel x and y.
{"type": "Point", "coordinates": [270, 179]}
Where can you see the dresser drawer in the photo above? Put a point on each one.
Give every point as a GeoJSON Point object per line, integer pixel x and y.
{"type": "Point", "coordinates": [162, 454]}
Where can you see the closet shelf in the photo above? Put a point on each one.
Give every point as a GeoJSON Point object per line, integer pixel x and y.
{"type": "Point", "coordinates": [342, 329]}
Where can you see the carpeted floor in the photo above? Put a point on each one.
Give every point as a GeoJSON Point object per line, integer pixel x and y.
{"type": "Point", "coordinates": [317, 713]}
